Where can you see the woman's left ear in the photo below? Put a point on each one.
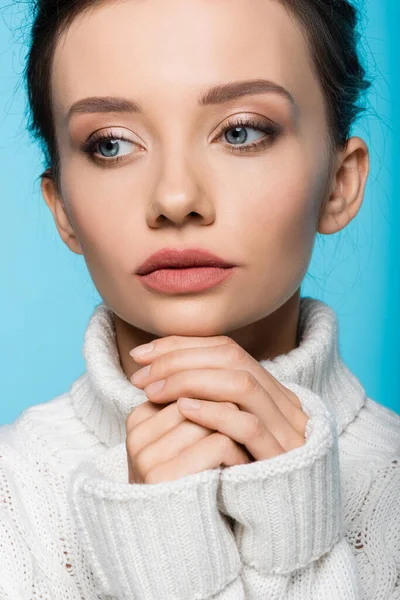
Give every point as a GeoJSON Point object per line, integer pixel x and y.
{"type": "Point", "coordinates": [348, 187]}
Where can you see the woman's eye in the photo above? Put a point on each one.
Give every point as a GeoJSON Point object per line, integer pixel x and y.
{"type": "Point", "coordinates": [109, 148]}
{"type": "Point", "coordinates": [239, 140]}
{"type": "Point", "coordinates": [239, 135]}
{"type": "Point", "coordinates": [103, 148]}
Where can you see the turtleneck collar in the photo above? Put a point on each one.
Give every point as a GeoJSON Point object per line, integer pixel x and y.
{"type": "Point", "coordinates": [103, 396]}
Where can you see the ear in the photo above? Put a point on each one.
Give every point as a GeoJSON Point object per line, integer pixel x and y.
{"type": "Point", "coordinates": [347, 190]}
{"type": "Point", "coordinates": [59, 210]}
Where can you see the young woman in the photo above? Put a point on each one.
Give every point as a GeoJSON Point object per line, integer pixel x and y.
{"type": "Point", "coordinates": [216, 137]}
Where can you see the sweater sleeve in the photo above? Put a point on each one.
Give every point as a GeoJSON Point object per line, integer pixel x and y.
{"type": "Point", "coordinates": [165, 540]}
{"type": "Point", "coordinates": [288, 517]}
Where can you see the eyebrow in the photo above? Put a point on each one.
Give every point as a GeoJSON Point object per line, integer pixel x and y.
{"type": "Point", "coordinates": [217, 94]}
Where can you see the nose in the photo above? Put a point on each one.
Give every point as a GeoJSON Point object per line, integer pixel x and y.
{"type": "Point", "coordinates": [180, 196]}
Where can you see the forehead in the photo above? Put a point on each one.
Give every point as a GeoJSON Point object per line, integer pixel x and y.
{"type": "Point", "coordinates": [161, 51]}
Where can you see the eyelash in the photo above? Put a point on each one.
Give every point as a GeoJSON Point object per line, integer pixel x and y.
{"type": "Point", "coordinates": [272, 132]}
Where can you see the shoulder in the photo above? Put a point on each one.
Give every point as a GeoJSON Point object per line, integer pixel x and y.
{"type": "Point", "coordinates": [28, 445]}
{"type": "Point", "coordinates": [374, 435]}
{"type": "Point", "coordinates": [38, 452]}
{"type": "Point", "coordinates": [47, 435]}
{"type": "Point", "coordinates": [369, 452]}
{"type": "Point", "coordinates": [38, 533]}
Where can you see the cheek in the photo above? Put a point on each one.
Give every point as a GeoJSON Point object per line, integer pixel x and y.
{"type": "Point", "coordinates": [280, 222]}
{"type": "Point", "coordinates": [284, 212]}
{"type": "Point", "coordinates": [100, 219]}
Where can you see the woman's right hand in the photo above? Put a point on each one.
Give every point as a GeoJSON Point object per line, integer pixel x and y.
{"type": "Point", "coordinates": [162, 445]}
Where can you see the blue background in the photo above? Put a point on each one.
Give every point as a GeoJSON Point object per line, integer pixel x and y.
{"type": "Point", "coordinates": [48, 296]}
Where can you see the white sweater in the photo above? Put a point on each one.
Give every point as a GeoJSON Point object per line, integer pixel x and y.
{"type": "Point", "coordinates": [320, 522]}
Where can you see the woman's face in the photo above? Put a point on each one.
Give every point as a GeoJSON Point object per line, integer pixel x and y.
{"type": "Point", "coordinates": [180, 181]}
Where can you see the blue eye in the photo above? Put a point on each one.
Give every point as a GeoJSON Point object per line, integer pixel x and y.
{"type": "Point", "coordinates": [112, 145]}
{"type": "Point", "coordinates": [241, 125]}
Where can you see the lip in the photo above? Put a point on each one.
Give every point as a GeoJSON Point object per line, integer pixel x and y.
{"type": "Point", "coordinates": [175, 258]}
{"type": "Point", "coordinates": [186, 281]}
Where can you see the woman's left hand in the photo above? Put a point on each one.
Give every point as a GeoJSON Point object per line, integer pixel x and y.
{"type": "Point", "coordinates": [216, 371]}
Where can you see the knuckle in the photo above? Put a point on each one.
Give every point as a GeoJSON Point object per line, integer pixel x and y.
{"type": "Point", "coordinates": [219, 413]}
{"type": "Point", "coordinates": [246, 381]}
{"type": "Point", "coordinates": [223, 441]}
{"type": "Point", "coordinates": [142, 464]}
{"type": "Point", "coordinates": [234, 353]}
{"type": "Point", "coordinates": [183, 379]}
{"type": "Point", "coordinates": [253, 427]}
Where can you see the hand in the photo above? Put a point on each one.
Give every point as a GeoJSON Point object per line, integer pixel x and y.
{"type": "Point", "coordinates": [214, 370]}
{"type": "Point", "coordinates": [163, 445]}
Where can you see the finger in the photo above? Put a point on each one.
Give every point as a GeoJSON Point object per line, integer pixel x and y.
{"type": "Point", "coordinates": [239, 387]}
{"type": "Point", "coordinates": [141, 413]}
{"type": "Point", "coordinates": [241, 427]}
{"type": "Point", "coordinates": [290, 406]}
{"type": "Point", "coordinates": [209, 453]}
{"type": "Point", "coordinates": [223, 357]}
{"type": "Point", "coordinates": [175, 342]}
{"type": "Point", "coordinates": [166, 447]}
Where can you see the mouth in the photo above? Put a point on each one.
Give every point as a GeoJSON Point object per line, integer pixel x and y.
{"type": "Point", "coordinates": [187, 258]}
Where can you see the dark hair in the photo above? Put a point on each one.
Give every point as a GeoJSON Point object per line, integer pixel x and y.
{"type": "Point", "coordinates": [331, 33]}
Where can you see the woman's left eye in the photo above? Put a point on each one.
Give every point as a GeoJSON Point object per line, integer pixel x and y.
{"type": "Point", "coordinates": [239, 137]}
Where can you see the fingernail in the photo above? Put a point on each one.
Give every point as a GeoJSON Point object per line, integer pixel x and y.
{"type": "Point", "coordinates": [155, 387]}
{"type": "Point", "coordinates": [141, 374]}
{"type": "Point", "coordinates": [189, 403]}
{"type": "Point", "coordinates": [143, 349]}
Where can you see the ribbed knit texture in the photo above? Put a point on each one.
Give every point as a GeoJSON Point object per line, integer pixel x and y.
{"type": "Point", "coordinates": [320, 522]}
